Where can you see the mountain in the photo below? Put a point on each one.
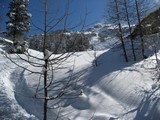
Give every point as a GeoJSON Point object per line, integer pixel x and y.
{"type": "Point", "coordinates": [150, 24]}
{"type": "Point", "coordinates": [61, 41]}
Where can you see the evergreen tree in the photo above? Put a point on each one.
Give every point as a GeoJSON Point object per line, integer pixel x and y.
{"type": "Point", "coordinates": [18, 22]}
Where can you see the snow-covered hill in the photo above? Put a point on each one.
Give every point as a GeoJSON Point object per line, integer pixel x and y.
{"type": "Point", "coordinates": [110, 90]}
{"type": "Point", "coordinates": [114, 90]}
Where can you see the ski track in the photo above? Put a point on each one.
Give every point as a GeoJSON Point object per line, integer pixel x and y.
{"type": "Point", "coordinates": [9, 107]}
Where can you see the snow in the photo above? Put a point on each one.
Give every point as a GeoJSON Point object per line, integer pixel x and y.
{"type": "Point", "coordinates": [22, 6]}
{"type": "Point", "coordinates": [6, 40]}
{"type": "Point", "coordinates": [48, 54]}
{"type": "Point", "coordinates": [10, 24]}
{"type": "Point", "coordinates": [29, 14]}
{"type": "Point", "coordinates": [114, 90]}
{"type": "Point", "coordinates": [10, 109]}
{"type": "Point", "coordinates": [108, 43]}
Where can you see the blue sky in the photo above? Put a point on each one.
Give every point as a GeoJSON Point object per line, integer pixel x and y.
{"type": "Point", "coordinates": [78, 8]}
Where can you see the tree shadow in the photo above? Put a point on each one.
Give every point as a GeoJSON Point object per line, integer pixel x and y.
{"type": "Point", "coordinates": [149, 107]}
{"type": "Point", "coordinates": [24, 95]}
{"type": "Point", "coordinates": [108, 62]}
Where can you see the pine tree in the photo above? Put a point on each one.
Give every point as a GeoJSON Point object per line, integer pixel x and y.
{"type": "Point", "coordinates": [18, 22]}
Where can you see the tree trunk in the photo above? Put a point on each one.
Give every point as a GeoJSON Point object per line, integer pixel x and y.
{"type": "Point", "coordinates": [130, 30]}
{"type": "Point", "coordinates": [120, 31]}
{"type": "Point", "coordinates": [140, 29]}
{"type": "Point", "coordinates": [45, 105]}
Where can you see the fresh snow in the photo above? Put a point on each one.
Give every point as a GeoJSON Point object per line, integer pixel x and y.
{"type": "Point", "coordinates": [113, 90]}
{"type": "Point", "coordinates": [4, 40]}
{"type": "Point", "coordinates": [9, 106]}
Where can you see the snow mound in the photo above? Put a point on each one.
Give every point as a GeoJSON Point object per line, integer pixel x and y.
{"type": "Point", "coordinates": [81, 102]}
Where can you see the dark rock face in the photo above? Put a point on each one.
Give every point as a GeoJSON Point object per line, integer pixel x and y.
{"type": "Point", "coordinates": [150, 24]}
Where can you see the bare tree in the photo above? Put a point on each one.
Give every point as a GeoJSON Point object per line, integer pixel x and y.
{"type": "Point", "coordinates": [120, 29]}
{"type": "Point", "coordinates": [48, 88]}
{"type": "Point", "coordinates": [130, 29]}
{"type": "Point", "coordinates": [140, 29]}
{"type": "Point", "coordinates": [115, 17]}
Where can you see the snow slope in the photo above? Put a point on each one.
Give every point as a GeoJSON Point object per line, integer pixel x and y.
{"type": "Point", "coordinates": [9, 106]}
{"type": "Point", "coordinates": [114, 90]}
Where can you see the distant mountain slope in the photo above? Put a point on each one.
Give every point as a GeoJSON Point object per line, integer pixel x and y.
{"type": "Point", "coordinates": [61, 41]}
{"type": "Point", "coordinates": [150, 24]}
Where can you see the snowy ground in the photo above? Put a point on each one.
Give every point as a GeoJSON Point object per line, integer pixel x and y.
{"type": "Point", "coordinates": [9, 106]}
{"type": "Point", "coordinates": [114, 90]}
